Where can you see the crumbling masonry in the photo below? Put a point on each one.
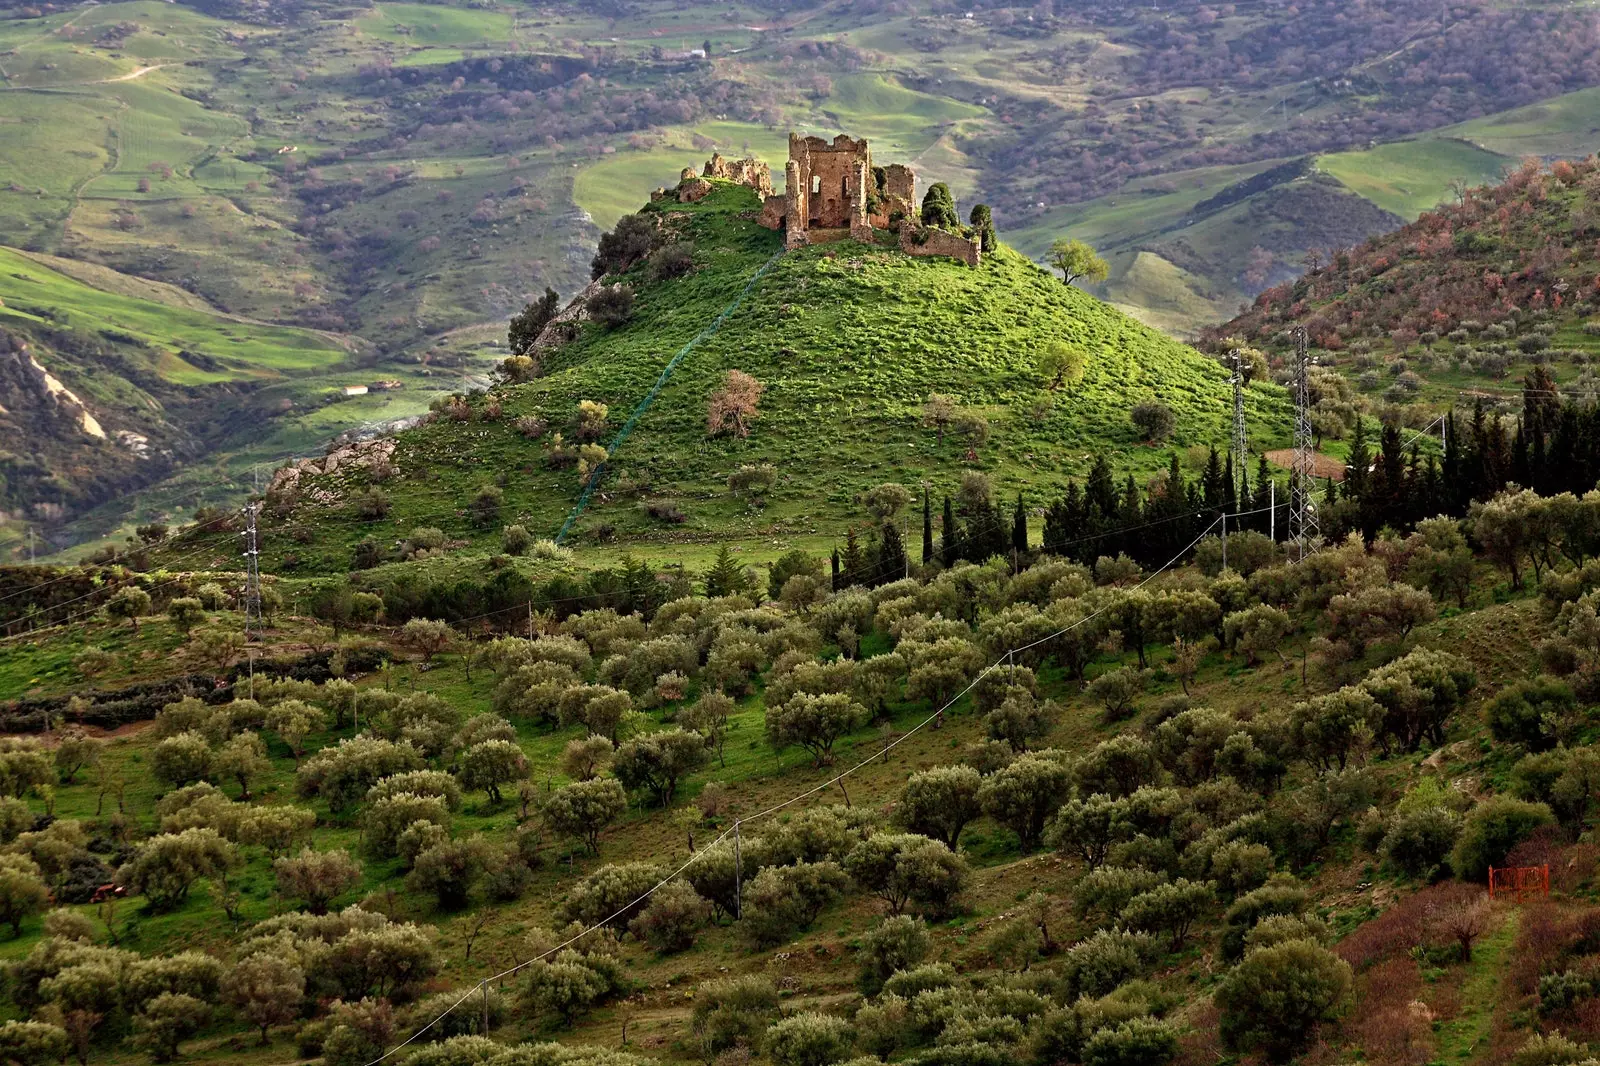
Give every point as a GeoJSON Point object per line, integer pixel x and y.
{"type": "Point", "coordinates": [832, 191]}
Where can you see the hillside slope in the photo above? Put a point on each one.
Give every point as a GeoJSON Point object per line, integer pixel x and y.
{"type": "Point", "coordinates": [111, 384]}
{"type": "Point", "coordinates": [849, 340]}
{"type": "Point", "coordinates": [1462, 302]}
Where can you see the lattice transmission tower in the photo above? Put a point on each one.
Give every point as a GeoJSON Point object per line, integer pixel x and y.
{"type": "Point", "coordinates": [253, 621]}
{"type": "Point", "coordinates": [1302, 481]}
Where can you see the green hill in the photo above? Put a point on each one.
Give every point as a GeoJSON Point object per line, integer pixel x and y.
{"type": "Point", "coordinates": [849, 340]}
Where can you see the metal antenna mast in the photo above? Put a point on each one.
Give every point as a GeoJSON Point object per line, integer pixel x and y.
{"type": "Point", "coordinates": [1241, 443]}
{"type": "Point", "coordinates": [253, 622]}
{"type": "Point", "coordinates": [1302, 485]}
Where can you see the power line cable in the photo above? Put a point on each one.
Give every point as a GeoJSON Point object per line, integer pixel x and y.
{"type": "Point", "coordinates": [775, 808]}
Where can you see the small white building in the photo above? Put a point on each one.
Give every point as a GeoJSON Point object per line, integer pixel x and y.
{"type": "Point", "coordinates": [355, 390]}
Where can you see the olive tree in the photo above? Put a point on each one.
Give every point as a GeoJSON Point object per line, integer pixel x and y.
{"type": "Point", "coordinates": [658, 761]}
{"type": "Point", "coordinates": [491, 764]}
{"type": "Point", "coordinates": [316, 877]}
{"type": "Point", "coordinates": [22, 891]}
{"type": "Point", "coordinates": [167, 865]}
{"type": "Point", "coordinates": [1024, 795]}
{"type": "Point", "coordinates": [582, 810]}
{"type": "Point", "coordinates": [1274, 999]}
{"type": "Point", "coordinates": [815, 722]}
{"type": "Point", "coordinates": [939, 803]}
{"type": "Point", "coordinates": [267, 989]}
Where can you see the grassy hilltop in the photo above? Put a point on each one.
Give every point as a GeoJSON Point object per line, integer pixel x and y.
{"type": "Point", "coordinates": [849, 341]}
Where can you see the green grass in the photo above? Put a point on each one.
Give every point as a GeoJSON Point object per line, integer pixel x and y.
{"type": "Point", "coordinates": [433, 25]}
{"type": "Point", "coordinates": [849, 341]}
{"type": "Point", "coordinates": [1561, 126]}
{"type": "Point", "coordinates": [880, 108]}
{"type": "Point", "coordinates": [1466, 1037]}
{"type": "Point", "coordinates": [1410, 177]}
{"type": "Point", "coordinates": [33, 292]}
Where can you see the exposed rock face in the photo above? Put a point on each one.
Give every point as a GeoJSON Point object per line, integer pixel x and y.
{"type": "Point", "coordinates": [559, 329]}
{"type": "Point", "coordinates": [366, 453]}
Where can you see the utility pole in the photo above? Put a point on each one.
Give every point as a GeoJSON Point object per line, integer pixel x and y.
{"type": "Point", "coordinates": [253, 622]}
{"type": "Point", "coordinates": [1302, 505]}
{"type": "Point", "coordinates": [738, 875]}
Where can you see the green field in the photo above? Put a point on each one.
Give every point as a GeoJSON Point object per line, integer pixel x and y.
{"type": "Point", "coordinates": [434, 25]}
{"type": "Point", "coordinates": [1564, 126]}
{"type": "Point", "coordinates": [1410, 177]}
{"type": "Point", "coordinates": [35, 293]}
{"type": "Point", "coordinates": [901, 121]}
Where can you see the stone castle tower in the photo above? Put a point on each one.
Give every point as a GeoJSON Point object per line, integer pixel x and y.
{"type": "Point", "coordinates": [832, 191]}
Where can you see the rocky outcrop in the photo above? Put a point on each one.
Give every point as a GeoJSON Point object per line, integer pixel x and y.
{"type": "Point", "coordinates": [366, 454]}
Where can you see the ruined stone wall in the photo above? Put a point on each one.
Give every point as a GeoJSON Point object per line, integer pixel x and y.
{"type": "Point", "coordinates": [938, 242]}
{"type": "Point", "coordinates": [752, 172]}
{"type": "Point", "coordinates": [900, 191]}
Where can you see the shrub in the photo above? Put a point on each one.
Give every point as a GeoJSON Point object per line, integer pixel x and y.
{"type": "Point", "coordinates": [1275, 998]}
{"type": "Point", "coordinates": [1153, 419]}
{"type": "Point", "coordinates": [1096, 965]}
{"type": "Point", "coordinates": [611, 306]}
{"type": "Point", "coordinates": [1491, 830]}
{"type": "Point", "coordinates": [895, 944]}
{"type": "Point", "coordinates": [1418, 841]}
{"type": "Point", "coordinates": [672, 260]}
{"type": "Point", "coordinates": [672, 918]}
{"type": "Point", "coordinates": [808, 1039]}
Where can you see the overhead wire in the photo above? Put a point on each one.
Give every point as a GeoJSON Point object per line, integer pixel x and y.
{"type": "Point", "coordinates": [775, 808]}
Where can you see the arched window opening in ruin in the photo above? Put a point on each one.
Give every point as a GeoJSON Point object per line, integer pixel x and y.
{"type": "Point", "coordinates": [844, 187]}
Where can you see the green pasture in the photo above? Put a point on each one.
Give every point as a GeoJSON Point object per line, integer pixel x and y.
{"type": "Point", "coordinates": [1410, 177]}
{"type": "Point", "coordinates": [434, 25]}
{"type": "Point", "coordinates": [31, 291]}
{"type": "Point", "coordinates": [1562, 126]}
{"type": "Point", "coordinates": [897, 119]}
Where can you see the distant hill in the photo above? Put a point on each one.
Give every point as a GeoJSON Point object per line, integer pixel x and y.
{"type": "Point", "coordinates": [848, 339]}
{"type": "Point", "coordinates": [1523, 250]}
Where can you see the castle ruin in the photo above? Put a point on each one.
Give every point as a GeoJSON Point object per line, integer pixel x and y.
{"type": "Point", "coordinates": [832, 191]}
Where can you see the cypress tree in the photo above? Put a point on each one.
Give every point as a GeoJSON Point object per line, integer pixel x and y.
{"type": "Point", "coordinates": [1230, 497]}
{"type": "Point", "coordinates": [927, 529]}
{"type": "Point", "coordinates": [854, 561]}
{"type": "Point", "coordinates": [1019, 529]}
{"type": "Point", "coordinates": [836, 569]}
{"type": "Point", "coordinates": [1355, 470]}
{"type": "Point", "coordinates": [1211, 481]}
{"type": "Point", "coordinates": [950, 537]}
{"type": "Point", "coordinates": [1101, 492]}
{"type": "Point", "coordinates": [892, 563]}
{"type": "Point", "coordinates": [982, 220]}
